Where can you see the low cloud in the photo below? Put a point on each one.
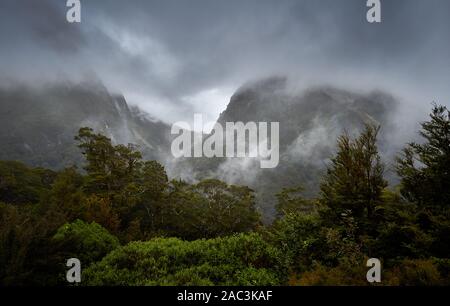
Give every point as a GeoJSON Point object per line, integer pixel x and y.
{"type": "Point", "coordinates": [175, 58]}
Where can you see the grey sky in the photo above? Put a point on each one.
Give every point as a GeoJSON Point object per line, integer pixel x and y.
{"type": "Point", "coordinates": [174, 58]}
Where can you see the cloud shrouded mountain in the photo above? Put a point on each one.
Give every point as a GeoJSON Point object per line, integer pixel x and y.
{"type": "Point", "coordinates": [173, 58]}
{"type": "Point", "coordinates": [310, 123]}
{"type": "Point", "coordinates": [38, 126]}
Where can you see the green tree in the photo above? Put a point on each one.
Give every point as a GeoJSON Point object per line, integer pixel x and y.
{"type": "Point", "coordinates": [290, 200]}
{"type": "Point", "coordinates": [352, 187]}
{"type": "Point", "coordinates": [112, 177]}
{"type": "Point", "coordinates": [298, 237]}
{"type": "Point", "coordinates": [153, 184]}
{"type": "Point", "coordinates": [88, 242]}
{"type": "Point", "coordinates": [425, 168]}
{"type": "Point", "coordinates": [26, 255]}
{"type": "Point", "coordinates": [110, 168]}
{"type": "Point", "coordinates": [209, 209]}
{"type": "Point", "coordinates": [66, 194]}
{"type": "Point", "coordinates": [20, 184]}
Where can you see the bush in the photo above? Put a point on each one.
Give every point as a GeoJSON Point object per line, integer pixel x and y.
{"type": "Point", "coordinates": [244, 259]}
{"type": "Point", "coordinates": [298, 238]}
{"type": "Point", "coordinates": [87, 242]}
{"type": "Point", "coordinates": [415, 273]}
{"type": "Point", "coordinates": [345, 274]}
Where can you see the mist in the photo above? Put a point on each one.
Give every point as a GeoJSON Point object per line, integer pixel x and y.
{"type": "Point", "coordinates": [177, 58]}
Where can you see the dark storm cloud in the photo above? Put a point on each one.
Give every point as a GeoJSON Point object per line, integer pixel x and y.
{"type": "Point", "coordinates": [42, 22]}
{"type": "Point", "coordinates": [174, 58]}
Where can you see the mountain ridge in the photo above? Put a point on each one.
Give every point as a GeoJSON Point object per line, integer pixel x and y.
{"type": "Point", "coordinates": [38, 128]}
{"type": "Point", "coordinates": [39, 125]}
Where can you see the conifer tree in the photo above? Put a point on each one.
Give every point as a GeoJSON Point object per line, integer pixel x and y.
{"type": "Point", "coordinates": [353, 184]}
{"type": "Point", "coordinates": [425, 168]}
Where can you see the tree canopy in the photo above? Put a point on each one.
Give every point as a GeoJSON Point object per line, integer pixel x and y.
{"type": "Point", "coordinates": [130, 224]}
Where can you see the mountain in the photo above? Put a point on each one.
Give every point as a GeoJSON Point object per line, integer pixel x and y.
{"type": "Point", "coordinates": [310, 122]}
{"type": "Point", "coordinates": [37, 126]}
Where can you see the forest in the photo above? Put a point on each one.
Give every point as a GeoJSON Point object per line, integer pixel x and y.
{"type": "Point", "coordinates": [129, 224]}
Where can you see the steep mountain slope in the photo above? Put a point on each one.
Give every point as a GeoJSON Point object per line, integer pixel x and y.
{"type": "Point", "coordinates": [37, 126]}
{"type": "Point", "coordinates": [310, 123]}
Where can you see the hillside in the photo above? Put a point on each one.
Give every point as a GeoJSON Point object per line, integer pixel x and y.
{"type": "Point", "coordinates": [37, 126]}
{"type": "Point", "coordinates": [310, 123]}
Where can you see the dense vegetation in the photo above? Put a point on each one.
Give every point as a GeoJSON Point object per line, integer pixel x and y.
{"type": "Point", "coordinates": [130, 225]}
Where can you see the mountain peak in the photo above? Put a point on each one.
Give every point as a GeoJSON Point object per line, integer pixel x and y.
{"type": "Point", "coordinates": [44, 122]}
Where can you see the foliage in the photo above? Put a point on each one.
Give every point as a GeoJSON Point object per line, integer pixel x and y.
{"type": "Point", "coordinates": [87, 242]}
{"type": "Point", "coordinates": [299, 239]}
{"type": "Point", "coordinates": [245, 259]}
{"type": "Point", "coordinates": [415, 273]}
{"type": "Point", "coordinates": [344, 274]}
{"type": "Point", "coordinates": [352, 187]}
{"type": "Point", "coordinates": [290, 200]}
{"type": "Point", "coordinates": [66, 194]}
{"type": "Point", "coordinates": [22, 185]}
{"type": "Point", "coordinates": [27, 256]}
{"type": "Point", "coordinates": [209, 209]}
{"type": "Point", "coordinates": [210, 232]}
{"type": "Point", "coordinates": [424, 168]}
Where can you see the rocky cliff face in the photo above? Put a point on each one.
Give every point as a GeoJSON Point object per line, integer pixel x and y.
{"type": "Point", "coordinates": [37, 126]}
